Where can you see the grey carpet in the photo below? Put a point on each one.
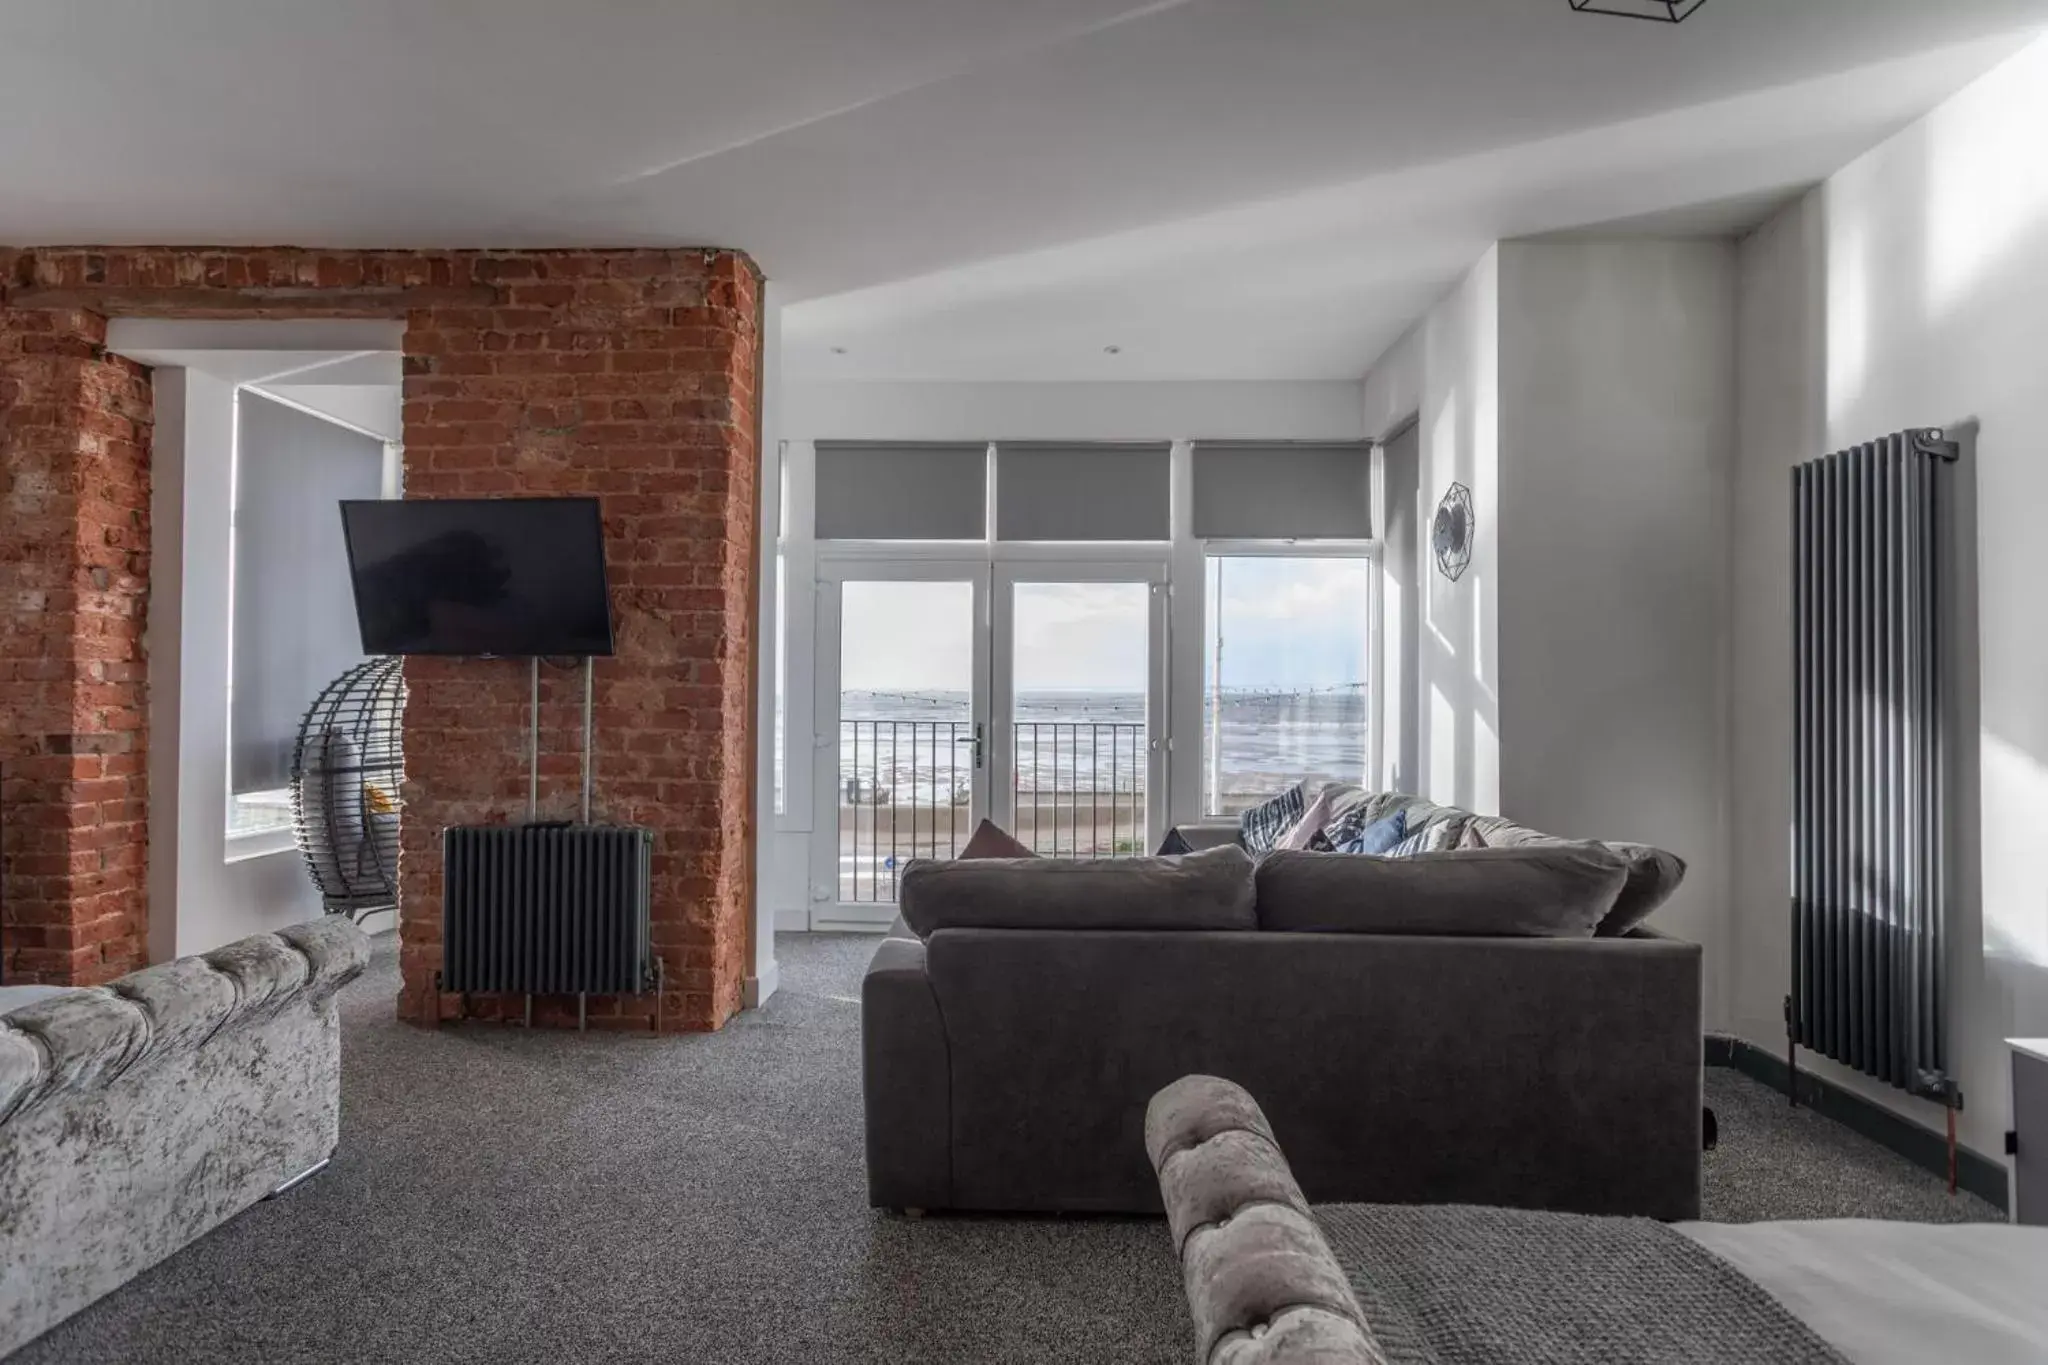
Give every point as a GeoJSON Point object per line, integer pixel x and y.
{"type": "Point", "coordinates": [503, 1196]}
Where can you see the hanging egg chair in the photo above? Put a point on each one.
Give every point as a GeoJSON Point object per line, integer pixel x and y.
{"type": "Point", "coordinates": [348, 768]}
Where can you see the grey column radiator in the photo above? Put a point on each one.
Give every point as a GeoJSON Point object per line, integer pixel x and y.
{"type": "Point", "coordinates": [1869, 882]}
{"type": "Point", "coordinates": [547, 909]}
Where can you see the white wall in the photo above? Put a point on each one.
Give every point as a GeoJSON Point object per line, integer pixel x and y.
{"type": "Point", "coordinates": [1575, 678]}
{"type": "Point", "coordinates": [1617, 396]}
{"type": "Point", "coordinates": [1446, 371]}
{"type": "Point", "coordinates": [1912, 290]}
{"type": "Point", "coordinates": [199, 899]}
{"type": "Point", "coordinates": [1781, 388]}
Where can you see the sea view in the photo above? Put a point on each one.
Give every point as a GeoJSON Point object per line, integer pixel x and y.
{"type": "Point", "coordinates": [906, 770]}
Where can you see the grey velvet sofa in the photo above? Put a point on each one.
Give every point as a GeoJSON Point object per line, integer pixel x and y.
{"type": "Point", "coordinates": [1009, 1068]}
{"type": "Point", "coordinates": [137, 1116]}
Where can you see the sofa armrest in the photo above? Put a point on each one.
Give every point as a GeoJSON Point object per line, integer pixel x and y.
{"type": "Point", "coordinates": [1261, 1282]}
{"type": "Point", "coordinates": [84, 1039]}
{"type": "Point", "coordinates": [906, 1082]}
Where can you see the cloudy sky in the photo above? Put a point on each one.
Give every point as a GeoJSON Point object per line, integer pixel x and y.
{"type": "Point", "coordinates": [1288, 624]}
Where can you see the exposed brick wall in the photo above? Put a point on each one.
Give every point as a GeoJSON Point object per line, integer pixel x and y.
{"type": "Point", "coordinates": [74, 565]}
{"type": "Point", "coordinates": [630, 375]}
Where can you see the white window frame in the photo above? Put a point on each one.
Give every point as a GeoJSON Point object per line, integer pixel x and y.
{"type": "Point", "coordinates": [1149, 565]}
{"type": "Point", "coordinates": [1372, 552]}
{"type": "Point", "coordinates": [835, 568]}
{"type": "Point", "coordinates": [1180, 632]}
{"type": "Point", "coordinates": [267, 842]}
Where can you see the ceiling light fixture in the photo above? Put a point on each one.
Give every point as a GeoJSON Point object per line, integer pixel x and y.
{"type": "Point", "coordinates": [838, 350]}
{"type": "Point", "coordinates": [1112, 350]}
{"type": "Point", "coordinates": [1663, 11]}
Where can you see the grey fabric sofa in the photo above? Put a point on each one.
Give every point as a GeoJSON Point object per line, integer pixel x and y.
{"type": "Point", "coordinates": [137, 1116]}
{"type": "Point", "coordinates": [1009, 1068]}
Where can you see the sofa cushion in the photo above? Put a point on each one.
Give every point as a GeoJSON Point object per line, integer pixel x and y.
{"type": "Point", "coordinates": [991, 840]}
{"type": "Point", "coordinates": [1260, 827]}
{"type": "Point", "coordinates": [1542, 891]}
{"type": "Point", "coordinates": [1653, 874]}
{"type": "Point", "coordinates": [1207, 890]}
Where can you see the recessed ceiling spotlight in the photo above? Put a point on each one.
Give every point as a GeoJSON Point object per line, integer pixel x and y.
{"type": "Point", "coordinates": [1112, 350]}
{"type": "Point", "coordinates": [1663, 11]}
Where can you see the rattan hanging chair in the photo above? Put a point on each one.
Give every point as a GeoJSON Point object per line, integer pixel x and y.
{"type": "Point", "coordinates": [348, 769]}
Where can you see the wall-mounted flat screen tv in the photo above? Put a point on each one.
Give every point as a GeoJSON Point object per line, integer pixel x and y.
{"type": "Point", "coordinates": [479, 576]}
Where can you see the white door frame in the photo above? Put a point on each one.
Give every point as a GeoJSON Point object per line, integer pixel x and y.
{"type": "Point", "coordinates": [1152, 568]}
{"type": "Point", "coordinates": [835, 568]}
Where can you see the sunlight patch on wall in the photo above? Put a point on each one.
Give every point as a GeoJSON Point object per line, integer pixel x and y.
{"type": "Point", "coordinates": [2015, 807]}
{"type": "Point", "coordinates": [1442, 757]}
{"type": "Point", "coordinates": [1849, 284]}
{"type": "Point", "coordinates": [1987, 179]}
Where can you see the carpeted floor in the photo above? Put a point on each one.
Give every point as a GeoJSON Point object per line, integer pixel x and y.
{"type": "Point", "coordinates": [503, 1197]}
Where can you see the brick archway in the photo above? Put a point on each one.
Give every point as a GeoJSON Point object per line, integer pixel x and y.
{"type": "Point", "coordinates": [630, 375]}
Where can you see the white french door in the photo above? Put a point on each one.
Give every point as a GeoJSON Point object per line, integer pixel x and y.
{"type": "Point", "coordinates": [902, 725]}
{"type": "Point", "coordinates": [1029, 690]}
{"type": "Point", "coordinates": [1079, 759]}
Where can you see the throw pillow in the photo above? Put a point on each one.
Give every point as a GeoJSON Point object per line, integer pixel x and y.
{"type": "Point", "coordinates": [1196, 838]}
{"type": "Point", "coordinates": [1208, 890]}
{"type": "Point", "coordinates": [1319, 842]}
{"type": "Point", "coordinates": [1262, 825]}
{"type": "Point", "coordinates": [991, 840]}
{"type": "Point", "coordinates": [1410, 845]}
{"type": "Point", "coordinates": [1302, 833]}
{"type": "Point", "coordinates": [1539, 891]}
{"type": "Point", "coordinates": [1350, 836]}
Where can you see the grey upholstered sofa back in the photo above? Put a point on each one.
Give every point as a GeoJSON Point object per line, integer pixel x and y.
{"type": "Point", "coordinates": [1010, 1069]}
{"type": "Point", "coordinates": [137, 1116]}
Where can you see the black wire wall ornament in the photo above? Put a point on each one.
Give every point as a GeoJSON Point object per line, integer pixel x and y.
{"type": "Point", "coordinates": [1663, 11]}
{"type": "Point", "coordinates": [1451, 534]}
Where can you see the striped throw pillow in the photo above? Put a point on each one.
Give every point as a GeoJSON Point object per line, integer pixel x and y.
{"type": "Point", "coordinates": [1260, 827]}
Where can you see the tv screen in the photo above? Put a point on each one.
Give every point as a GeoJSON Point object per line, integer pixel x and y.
{"type": "Point", "coordinates": [473, 576]}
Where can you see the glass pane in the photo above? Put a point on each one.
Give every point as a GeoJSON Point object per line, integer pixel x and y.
{"type": "Point", "coordinates": [1286, 666]}
{"type": "Point", "coordinates": [906, 730]}
{"type": "Point", "coordinates": [294, 625]}
{"type": "Point", "coordinates": [1081, 666]}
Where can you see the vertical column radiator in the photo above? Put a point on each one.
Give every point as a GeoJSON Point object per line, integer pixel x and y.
{"type": "Point", "coordinates": [547, 909]}
{"type": "Point", "coordinates": [1869, 881]}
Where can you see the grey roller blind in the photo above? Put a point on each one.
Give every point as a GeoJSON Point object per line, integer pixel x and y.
{"type": "Point", "coordinates": [294, 623]}
{"type": "Point", "coordinates": [1283, 491]}
{"type": "Point", "coordinates": [901, 492]}
{"type": "Point", "coordinates": [1083, 492]}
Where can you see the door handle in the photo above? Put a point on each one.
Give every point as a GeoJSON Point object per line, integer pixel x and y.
{"type": "Point", "coordinates": [975, 740]}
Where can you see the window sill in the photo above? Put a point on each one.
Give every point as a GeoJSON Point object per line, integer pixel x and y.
{"type": "Point", "coordinates": [262, 843]}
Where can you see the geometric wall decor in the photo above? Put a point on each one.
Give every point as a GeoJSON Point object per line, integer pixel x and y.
{"type": "Point", "coordinates": [1451, 535]}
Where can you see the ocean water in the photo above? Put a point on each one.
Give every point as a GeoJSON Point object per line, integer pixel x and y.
{"type": "Point", "coordinates": [915, 747]}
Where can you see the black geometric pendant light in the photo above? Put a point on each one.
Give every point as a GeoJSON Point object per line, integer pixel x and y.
{"type": "Point", "coordinates": [1663, 11]}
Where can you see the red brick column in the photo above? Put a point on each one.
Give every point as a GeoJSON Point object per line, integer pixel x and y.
{"type": "Point", "coordinates": [74, 565]}
{"type": "Point", "coordinates": [630, 375]}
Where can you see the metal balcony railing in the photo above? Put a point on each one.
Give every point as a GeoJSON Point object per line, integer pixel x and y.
{"type": "Point", "coordinates": [906, 788]}
{"type": "Point", "coordinates": [1079, 788]}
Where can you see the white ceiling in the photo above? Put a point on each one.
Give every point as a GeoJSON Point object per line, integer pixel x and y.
{"type": "Point", "coordinates": [969, 188]}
